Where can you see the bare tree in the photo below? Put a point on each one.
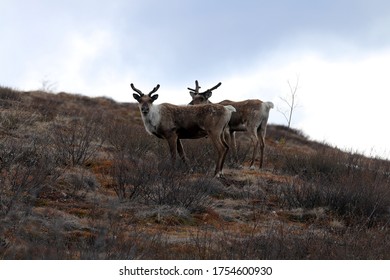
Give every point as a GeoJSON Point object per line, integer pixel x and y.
{"type": "Point", "coordinates": [290, 101]}
{"type": "Point", "coordinates": [47, 85]}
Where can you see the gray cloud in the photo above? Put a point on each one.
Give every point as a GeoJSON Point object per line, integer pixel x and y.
{"type": "Point", "coordinates": [181, 40]}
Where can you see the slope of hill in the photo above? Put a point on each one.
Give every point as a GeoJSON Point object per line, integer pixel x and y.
{"type": "Point", "coordinates": [80, 179]}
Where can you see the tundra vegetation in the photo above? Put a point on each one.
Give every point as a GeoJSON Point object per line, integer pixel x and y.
{"type": "Point", "coordinates": [81, 179]}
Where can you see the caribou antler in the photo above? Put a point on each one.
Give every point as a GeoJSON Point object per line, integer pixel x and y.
{"type": "Point", "coordinates": [141, 93]}
{"type": "Point", "coordinates": [197, 87]}
{"type": "Point", "coordinates": [136, 90]}
{"type": "Point", "coordinates": [154, 90]}
{"type": "Point", "coordinates": [207, 94]}
{"type": "Point", "coordinates": [213, 88]}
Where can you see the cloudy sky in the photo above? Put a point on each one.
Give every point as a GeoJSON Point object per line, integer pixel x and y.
{"type": "Point", "coordinates": [338, 49]}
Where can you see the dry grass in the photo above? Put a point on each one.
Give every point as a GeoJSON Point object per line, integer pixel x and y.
{"type": "Point", "coordinates": [80, 179]}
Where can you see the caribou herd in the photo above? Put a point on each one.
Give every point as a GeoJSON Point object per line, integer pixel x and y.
{"type": "Point", "coordinates": [201, 118]}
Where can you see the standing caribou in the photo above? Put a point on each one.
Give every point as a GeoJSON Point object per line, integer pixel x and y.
{"type": "Point", "coordinates": [172, 123]}
{"type": "Point", "coordinates": [251, 116]}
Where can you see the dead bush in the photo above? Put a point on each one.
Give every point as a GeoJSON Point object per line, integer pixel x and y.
{"type": "Point", "coordinates": [76, 140]}
{"type": "Point", "coordinates": [127, 182]}
{"type": "Point", "coordinates": [157, 183]}
{"type": "Point", "coordinates": [167, 188]}
{"type": "Point", "coordinates": [324, 163]}
{"type": "Point", "coordinates": [283, 242]}
{"type": "Point", "coordinates": [15, 118]}
{"type": "Point", "coordinates": [25, 169]}
{"type": "Point", "coordinates": [8, 97]}
{"type": "Point", "coordinates": [354, 192]}
{"type": "Point", "coordinates": [201, 155]}
{"type": "Point", "coordinates": [79, 181]}
{"type": "Point", "coordinates": [46, 105]}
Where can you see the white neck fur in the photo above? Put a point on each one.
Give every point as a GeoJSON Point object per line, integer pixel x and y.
{"type": "Point", "coordinates": [152, 119]}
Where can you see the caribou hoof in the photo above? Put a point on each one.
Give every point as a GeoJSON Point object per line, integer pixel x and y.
{"type": "Point", "coordinates": [219, 175]}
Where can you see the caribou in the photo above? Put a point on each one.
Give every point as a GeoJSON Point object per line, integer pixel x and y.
{"type": "Point", "coordinates": [173, 123]}
{"type": "Point", "coordinates": [250, 116]}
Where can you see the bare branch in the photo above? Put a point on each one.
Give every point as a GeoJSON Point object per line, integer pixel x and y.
{"type": "Point", "coordinates": [290, 102]}
{"type": "Point", "coordinates": [284, 113]}
{"type": "Point", "coordinates": [285, 100]}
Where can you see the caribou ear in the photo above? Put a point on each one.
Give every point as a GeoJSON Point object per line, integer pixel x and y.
{"type": "Point", "coordinates": [192, 93]}
{"type": "Point", "coordinates": [137, 97]}
{"type": "Point", "coordinates": [154, 97]}
{"type": "Point", "coordinates": [208, 94]}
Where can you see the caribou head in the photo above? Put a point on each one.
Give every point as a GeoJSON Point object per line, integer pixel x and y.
{"type": "Point", "coordinates": [201, 97]}
{"type": "Point", "coordinates": [145, 101]}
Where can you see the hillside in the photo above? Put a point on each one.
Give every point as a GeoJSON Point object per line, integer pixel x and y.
{"type": "Point", "coordinates": [81, 179]}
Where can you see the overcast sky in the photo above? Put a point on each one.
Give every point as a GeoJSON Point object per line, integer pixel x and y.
{"type": "Point", "coordinates": [339, 49]}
